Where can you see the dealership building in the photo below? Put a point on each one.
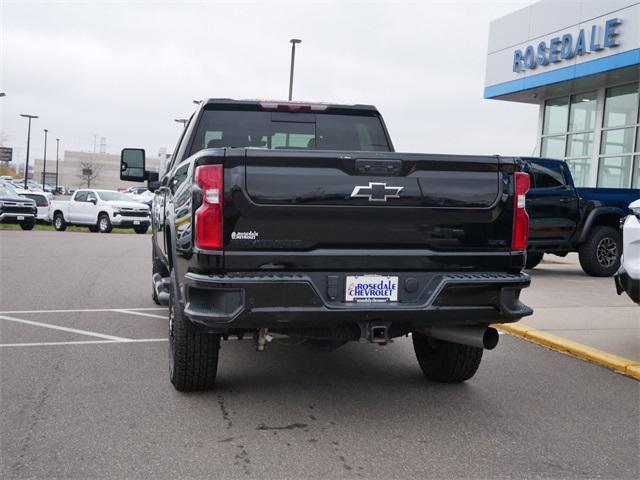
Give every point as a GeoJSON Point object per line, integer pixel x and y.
{"type": "Point", "coordinates": [79, 169]}
{"type": "Point", "coordinates": [580, 62]}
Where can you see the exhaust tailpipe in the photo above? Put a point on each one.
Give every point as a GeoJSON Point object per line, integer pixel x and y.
{"type": "Point", "coordinates": [474, 336]}
{"type": "Point", "coordinates": [160, 285]}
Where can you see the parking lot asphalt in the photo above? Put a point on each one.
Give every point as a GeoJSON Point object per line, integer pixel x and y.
{"type": "Point", "coordinates": [85, 393]}
{"type": "Point", "coordinates": [585, 309]}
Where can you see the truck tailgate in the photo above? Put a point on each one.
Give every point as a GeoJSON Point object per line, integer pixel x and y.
{"type": "Point", "coordinates": [366, 204]}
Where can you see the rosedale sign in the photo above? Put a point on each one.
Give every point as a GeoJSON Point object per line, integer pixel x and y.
{"type": "Point", "coordinates": [564, 48]}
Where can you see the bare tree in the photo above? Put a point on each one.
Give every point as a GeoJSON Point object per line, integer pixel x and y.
{"type": "Point", "coordinates": [89, 171]}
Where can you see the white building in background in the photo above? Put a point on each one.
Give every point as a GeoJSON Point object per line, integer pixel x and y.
{"type": "Point", "coordinates": [105, 170]}
{"type": "Point", "coordinates": [580, 61]}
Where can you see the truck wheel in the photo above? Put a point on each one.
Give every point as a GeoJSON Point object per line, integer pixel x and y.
{"type": "Point", "coordinates": [27, 226]}
{"type": "Point", "coordinates": [141, 229]}
{"type": "Point", "coordinates": [533, 259]}
{"type": "Point", "coordinates": [104, 224]}
{"type": "Point", "coordinates": [58, 222]}
{"type": "Point", "coordinates": [193, 357]}
{"type": "Point", "coordinates": [445, 361]}
{"type": "Point", "coordinates": [93, 228]}
{"type": "Point", "coordinates": [600, 254]}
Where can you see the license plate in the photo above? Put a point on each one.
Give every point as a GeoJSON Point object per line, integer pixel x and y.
{"type": "Point", "coordinates": [20, 217]}
{"type": "Point", "coordinates": [136, 222]}
{"type": "Point", "coordinates": [371, 288]}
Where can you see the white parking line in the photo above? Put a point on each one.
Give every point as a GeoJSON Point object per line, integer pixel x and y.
{"type": "Point", "coordinates": [83, 342]}
{"type": "Point", "coordinates": [142, 314]}
{"type": "Point", "coordinates": [64, 329]}
{"type": "Point", "coordinates": [80, 310]}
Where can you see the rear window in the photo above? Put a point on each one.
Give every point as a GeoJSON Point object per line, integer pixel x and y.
{"type": "Point", "coordinates": [41, 200]}
{"type": "Point", "coordinates": [547, 176]}
{"type": "Point", "coordinates": [287, 131]}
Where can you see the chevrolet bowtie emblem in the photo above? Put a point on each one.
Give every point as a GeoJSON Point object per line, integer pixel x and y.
{"type": "Point", "coordinates": [376, 192]}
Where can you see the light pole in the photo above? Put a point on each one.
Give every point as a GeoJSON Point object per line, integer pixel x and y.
{"type": "Point", "coordinates": [44, 166]}
{"type": "Point", "coordinates": [183, 121]}
{"type": "Point", "coordinates": [293, 59]}
{"type": "Point", "coordinates": [26, 165]}
{"type": "Point", "coordinates": [57, 158]}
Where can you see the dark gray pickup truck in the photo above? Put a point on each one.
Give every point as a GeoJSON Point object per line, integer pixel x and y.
{"type": "Point", "coordinates": [300, 220]}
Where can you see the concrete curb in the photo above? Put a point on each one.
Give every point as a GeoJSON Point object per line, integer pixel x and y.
{"type": "Point", "coordinates": [575, 349]}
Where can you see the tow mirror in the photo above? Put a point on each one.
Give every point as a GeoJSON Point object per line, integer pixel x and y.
{"type": "Point", "coordinates": [132, 164]}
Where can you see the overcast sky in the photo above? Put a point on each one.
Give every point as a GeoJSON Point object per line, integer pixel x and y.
{"type": "Point", "coordinates": [124, 70]}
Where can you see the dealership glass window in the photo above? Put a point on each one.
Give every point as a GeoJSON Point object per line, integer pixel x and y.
{"type": "Point", "coordinates": [580, 169]}
{"type": "Point", "coordinates": [579, 144]}
{"type": "Point", "coordinates": [615, 172]}
{"type": "Point", "coordinates": [618, 140]}
{"type": "Point", "coordinates": [568, 132]}
{"type": "Point", "coordinates": [556, 113]}
{"type": "Point", "coordinates": [583, 112]}
{"type": "Point", "coordinates": [621, 106]}
{"type": "Point", "coordinates": [636, 172]}
{"type": "Point", "coordinates": [553, 147]}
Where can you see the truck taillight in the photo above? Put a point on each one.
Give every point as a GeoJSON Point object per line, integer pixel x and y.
{"type": "Point", "coordinates": [208, 217]}
{"type": "Point", "coordinates": [520, 235]}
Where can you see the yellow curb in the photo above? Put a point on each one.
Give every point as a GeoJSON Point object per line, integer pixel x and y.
{"type": "Point", "coordinates": [575, 349]}
{"type": "Point", "coordinates": [633, 371]}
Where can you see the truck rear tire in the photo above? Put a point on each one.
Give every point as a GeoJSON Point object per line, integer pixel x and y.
{"type": "Point", "coordinates": [193, 357]}
{"type": "Point", "coordinates": [93, 228]}
{"type": "Point", "coordinates": [600, 254]}
{"type": "Point", "coordinates": [533, 259]}
{"type": "Point", "coordinates": [58, 222]}
{"type": "Point", "coordinates": [446, 362]}
{"type": "Point", "coordinates": [27, 226]}
{"type": "Point", "coordinates": [141, 229]}
{"type": "Point", "coordinates": [104, 223]}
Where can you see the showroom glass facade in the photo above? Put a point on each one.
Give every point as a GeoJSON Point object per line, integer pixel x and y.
{"type": "Point", "coordinates": [597, 132]}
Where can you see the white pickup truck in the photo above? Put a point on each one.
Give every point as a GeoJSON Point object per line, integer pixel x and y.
{"type": "Point", "coordinates": [100, 210]}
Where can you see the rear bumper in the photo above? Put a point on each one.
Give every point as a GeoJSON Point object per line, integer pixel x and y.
{"type": "Point", "coordinates": [624, 283]}
{"type": "Point", "coordinates": [252, 300]}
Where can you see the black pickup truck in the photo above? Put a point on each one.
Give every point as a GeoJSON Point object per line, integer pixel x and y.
{"type": "Point", "coordinates": [566, 219]}
{"type": "Point", "coordinates": [300, 220]}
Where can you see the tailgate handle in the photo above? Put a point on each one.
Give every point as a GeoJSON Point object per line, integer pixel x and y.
{"type": "Point", "coordinates": [378, 167]}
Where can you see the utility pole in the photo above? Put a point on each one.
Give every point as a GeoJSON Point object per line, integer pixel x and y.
{"type": "Point", "coordinates": [26, 165]}
{"type": "Point", "coordinates": [293, 59]}
{"type": "Point", "coordinates": [57, 158]}
{"type": "Point", "coordinates": [44, 162]}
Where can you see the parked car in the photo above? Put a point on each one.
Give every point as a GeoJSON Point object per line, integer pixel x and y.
{"type": "Point", "coordinates": [16, 209]}
{"type": "Point", "coordinates": [43, 203]}
{"type": "Point", "coordinates": [324, 233]}
{"type": "Point", "coordinates": [136, 190]}
{"type": "Point", "coordinates": [100, 210]}
{"type": "Point", "coordinates": [627, 278]}
{"type": "Point", "coordinates": [566, 219]}
{"type": "Point", "coordinates": [145, 197]}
